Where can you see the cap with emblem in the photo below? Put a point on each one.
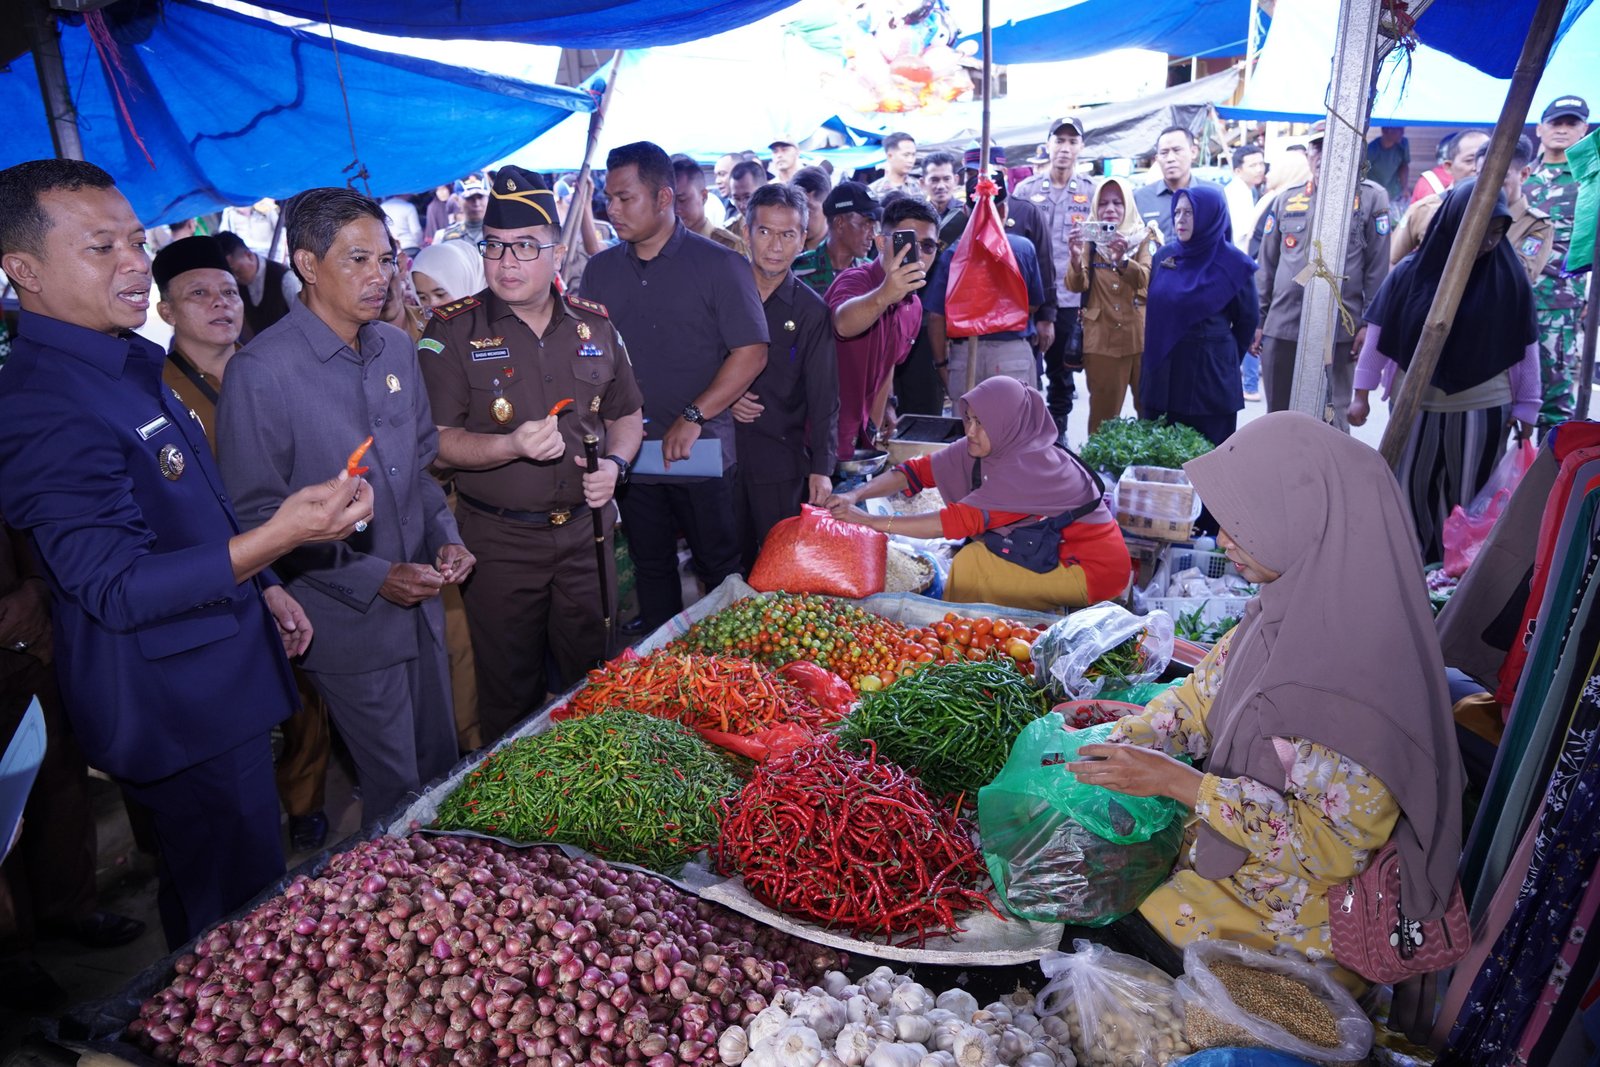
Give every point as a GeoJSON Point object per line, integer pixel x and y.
{"type": "Point", "coordinates": [969, 157]}
{"type": "Point", "coordinates": [782, 143]}
{"type": "Point", "coordinates": [200, 252]}
{"type": "Point", "coordinates": [474, 186]}
{"type": "Point", "coordinates": [1071, 122]}
{"type": "Point", "coordinates": [519, 200]}
{"type": "Point", "coordinates": [848, 197]}
{"type": "Point", "coordinates": [1567, 107]}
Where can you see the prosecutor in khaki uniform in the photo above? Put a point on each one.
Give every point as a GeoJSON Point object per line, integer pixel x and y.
{"type": "Point", "coordinates": [1285, 252]}
{"type": "Point", "coordinates": [495, 369]}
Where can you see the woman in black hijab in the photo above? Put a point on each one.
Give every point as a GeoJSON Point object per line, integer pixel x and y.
{"type": "Point", "coordinates": [1487, 376]}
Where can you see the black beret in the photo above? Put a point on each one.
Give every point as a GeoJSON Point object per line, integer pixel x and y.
{"type": "Point", "coordinates": [519, 200]}
{"type": "Point", "coordinates": [190, 253]}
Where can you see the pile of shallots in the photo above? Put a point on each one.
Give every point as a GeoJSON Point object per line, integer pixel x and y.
{"type": "Point", "coordinates": [450, 950]}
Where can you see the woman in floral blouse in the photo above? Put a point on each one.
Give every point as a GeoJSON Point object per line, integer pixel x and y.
{"type": "Point", "coordinates": [1321, 725]}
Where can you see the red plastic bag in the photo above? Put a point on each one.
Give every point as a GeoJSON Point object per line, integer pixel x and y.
{"type": "Point", "coordinates": [1466, 530]}
{"type": "Point", "coordinates": [830, 693]}
{"type": "Point", "coordinates": [816, 553]}
{"type": "Point", "coordinates": [779, 740]}
{"type": "Point", "coordinates": [986, 290]}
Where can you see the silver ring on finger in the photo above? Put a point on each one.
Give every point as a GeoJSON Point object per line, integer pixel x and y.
{"type": "Point", "coordinates": [361, 526]}
{"type": "Point", "coordinates": [19, 646]}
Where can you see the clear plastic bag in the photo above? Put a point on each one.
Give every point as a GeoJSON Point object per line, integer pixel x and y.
{"type": "Point", "coordinates": [1121, 1011]}
{"type": "Point", "coordinates": [1060, 850]}
{"type": "Point", "coordinates": [1467, 528]}
{"type": "Point", "coordinates": [1214, 1017]}
{"type": "Point", "coordinates": [1065, 656]}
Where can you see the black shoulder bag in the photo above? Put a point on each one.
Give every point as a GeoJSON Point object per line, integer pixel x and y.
{"type": "Point", "coordinates": [1037, 545]}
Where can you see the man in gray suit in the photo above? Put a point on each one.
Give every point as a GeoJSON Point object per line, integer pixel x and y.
{"type": "Point", "coordinates": [300, 397]}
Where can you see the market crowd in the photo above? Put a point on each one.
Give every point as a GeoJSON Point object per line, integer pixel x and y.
{"type": "Point", "coordinates": [360, 493]}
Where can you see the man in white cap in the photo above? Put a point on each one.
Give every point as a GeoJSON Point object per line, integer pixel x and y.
{"type": "Point", "coordinates": [474, 201]}
{"type": "Point", "coordinates": [785, 159]}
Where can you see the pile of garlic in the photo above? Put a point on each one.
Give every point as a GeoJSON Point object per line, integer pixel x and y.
{"type": "Point", "coordinates": [888, 1020]}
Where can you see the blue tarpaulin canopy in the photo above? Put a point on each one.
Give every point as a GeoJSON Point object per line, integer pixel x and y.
{"type": "Point", "coordinates": [1425, 87]}
{"type": "Point", "coordinates": [1486, 34]}
{"type": "Point", "coordinates": [231, 109]}
{"type": "Point", "coordinates": [568, 23]}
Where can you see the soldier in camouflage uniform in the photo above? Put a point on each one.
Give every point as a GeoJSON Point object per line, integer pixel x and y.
{"type": "Point", "coordinates": [1553, 189]}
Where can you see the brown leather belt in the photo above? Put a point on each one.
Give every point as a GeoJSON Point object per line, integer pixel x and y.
{"type": "Point", "coordinates": [555, 517]}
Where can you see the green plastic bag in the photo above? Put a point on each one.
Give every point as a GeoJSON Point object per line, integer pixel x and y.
{"type": "Point", "coordinates": [1063, 851]}
{"type": "Point", "coordinates": [1140, 694]}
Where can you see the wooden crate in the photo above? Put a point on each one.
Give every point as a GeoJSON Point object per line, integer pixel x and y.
{"type": "Point", "coordinates": [1157, 503]}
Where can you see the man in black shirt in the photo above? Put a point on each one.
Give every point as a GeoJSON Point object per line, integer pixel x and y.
{"type": "Point", "coordinates": [696, 332]}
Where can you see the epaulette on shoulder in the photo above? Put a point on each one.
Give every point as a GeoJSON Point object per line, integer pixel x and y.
{"type": "Point", "coordinates": [589, 305]}
{"type": "Point", "coordinates": [456, 307]}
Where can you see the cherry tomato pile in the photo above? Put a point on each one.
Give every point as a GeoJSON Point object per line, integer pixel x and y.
{"type": "Point", "coordinates": [960, 638]}
{"type": "Point", "coordinates": [779, 628]}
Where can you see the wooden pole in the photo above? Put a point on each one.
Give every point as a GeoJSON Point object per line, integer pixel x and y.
{"type": "Point", "coordinates": [597, 119]}
{"type": "Point", "coordinates": [44, 41]}
{"type": "Point", "coordinates": [983, 167]}
{"type": "Point", "coordinates": [1591, 325]}
{"type": "Point", "coordinates": [1447, 298]}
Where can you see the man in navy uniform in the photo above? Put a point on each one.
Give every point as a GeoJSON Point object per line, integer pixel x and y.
{"type": "Point", "coordinates": [170, 632]}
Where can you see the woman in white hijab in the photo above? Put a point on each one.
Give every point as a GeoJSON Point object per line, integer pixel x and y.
{"type": "Point", "coordinates": [447, 271]}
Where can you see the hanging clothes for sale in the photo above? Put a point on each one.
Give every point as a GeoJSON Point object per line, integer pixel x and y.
{"type": "Point", "coordinates": [1526, 750]}
{"type": "Point", "coordinates": [1508, 988]}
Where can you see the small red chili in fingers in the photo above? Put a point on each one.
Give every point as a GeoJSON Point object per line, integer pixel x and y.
{"type": "Point", "coordinates": [351, 465]}
{"type": "Point", "coordinates": [560, 406]}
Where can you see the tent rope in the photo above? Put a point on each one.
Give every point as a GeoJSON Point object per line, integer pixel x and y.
{"type": "Point", "coordinates": [105, 46]}
{"type": "Point", "coordinates": [356, 165]}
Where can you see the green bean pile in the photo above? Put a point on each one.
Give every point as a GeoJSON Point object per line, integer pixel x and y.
{"type": "Point", "coordinates": [630, 788]}
{"type": "Point", "coordinates": [953, 723]}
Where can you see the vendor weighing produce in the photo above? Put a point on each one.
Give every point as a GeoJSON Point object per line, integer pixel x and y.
{"type": "Point", "coordinates": [1041, 535]}
{"type": "Point", "coordinates": [1322, 722]}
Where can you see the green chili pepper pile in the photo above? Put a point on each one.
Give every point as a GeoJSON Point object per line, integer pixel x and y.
{"type": "Point", "coordinates": [631, 788]}
{"type": "Point", "coordinates": [953, 723]}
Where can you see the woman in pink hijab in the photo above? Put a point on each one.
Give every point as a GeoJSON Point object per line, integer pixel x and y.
{"type": "Point", "coordinates": [1320, 727]}
{"type": "Point", "coordinates": [1041, 535]}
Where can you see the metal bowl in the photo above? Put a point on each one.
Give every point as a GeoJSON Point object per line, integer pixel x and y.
{"type": "Point", "coordinates": [864, 461]}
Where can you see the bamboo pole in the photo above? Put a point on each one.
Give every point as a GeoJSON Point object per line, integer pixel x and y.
{"type": "Point", "coordinates": [1447, 298]}
{"type": "Point", "coordinates": [597, 119]}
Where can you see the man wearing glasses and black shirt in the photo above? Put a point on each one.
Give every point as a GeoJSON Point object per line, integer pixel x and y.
{"type": "Point", "coordinates": [495, 369]}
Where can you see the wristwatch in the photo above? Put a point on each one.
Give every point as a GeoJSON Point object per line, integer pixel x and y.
{"type": "Point", "coordinates": [692, 414]}
{"type": "Point", "coordinates": [623, 466]}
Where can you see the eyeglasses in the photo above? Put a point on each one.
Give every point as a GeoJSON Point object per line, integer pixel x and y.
{"type": "Point", "coordinates": [522, 251]}
{"type": "Point", "coordinates": [929, 247]}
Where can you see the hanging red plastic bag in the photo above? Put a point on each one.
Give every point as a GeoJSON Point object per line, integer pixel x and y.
{"type": "Point", "coordinates": [986, 290]}
{"type": "Point", "coordinates": [816, 553]}
{"type": "Point", "coordinates": [1466, 529]}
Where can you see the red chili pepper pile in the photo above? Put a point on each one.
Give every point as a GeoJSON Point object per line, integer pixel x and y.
{"type": "Point", "coordinates": [851, 841]}
{"type": "Point", "coordinates": [725, 693]}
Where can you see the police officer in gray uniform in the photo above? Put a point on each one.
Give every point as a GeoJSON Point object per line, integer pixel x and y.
{"type": "Point", "coordinates": [1285, 252]}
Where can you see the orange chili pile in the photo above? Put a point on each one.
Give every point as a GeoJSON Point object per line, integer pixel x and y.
{"type": "Point", "coordinates": [853, 842]}
{"type": "Point", "coordinates": [724, 693]}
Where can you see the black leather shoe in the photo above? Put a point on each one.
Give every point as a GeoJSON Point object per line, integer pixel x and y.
{"type": "Point", "coordinates": [103, 929]}
{"type": "Point", "coordinates": [307, 833]}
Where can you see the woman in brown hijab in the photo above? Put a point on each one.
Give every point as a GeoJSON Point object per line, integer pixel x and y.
{"type": "Point", "coordinates": [1320, 725]}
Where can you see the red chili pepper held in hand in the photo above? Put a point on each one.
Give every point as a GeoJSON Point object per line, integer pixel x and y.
{"type": "Point", "coordinates": [560, 406]}
{"type": "Point", "coordinates": [350, 465]}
